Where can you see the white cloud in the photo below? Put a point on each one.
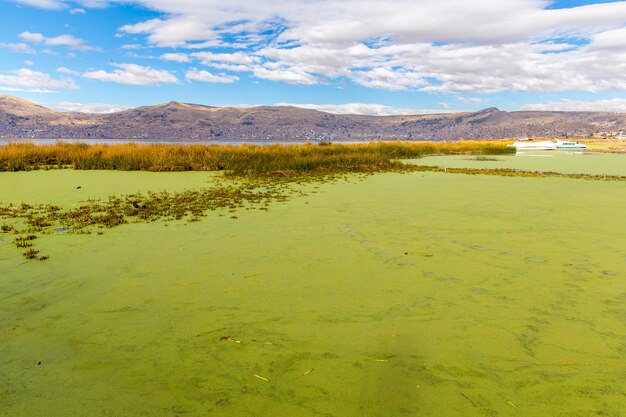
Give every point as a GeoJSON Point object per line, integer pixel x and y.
{"type": "Point", "coordinates": [431, 45]}
{"type": "Point", "coordinates": [390, 79]}
{"type": "Point", "coordinates": [34, 81]}
{"type": "Point", "coordinates": [205, 76]}
{"type": "Point", "coordinates": [292, 75]}
{"type": "Point", "coordinates": [29, 63]}
{"type": "Point", "coordinates": [18, 47]}
{"type": "Point", "coordinates": [61, 4]}
{"type": "Point", "coordinates": [26, 90]}
{"type": "Point", "coordinates": [469, 100]}
{"type": "Point", "coordinates": [78, 11]}
{"type": "Point", "coordinates": [67, 106]}
{"type": "Point", "coordinates": [616, 105]}
{"type": "Point", "coordinates": [368, 109]}
{"type": "Point", "coordinates": [43, 4]}
{"type": "Point", "coordinates": [448, 46]}
{"type": "Point", "coordinates": [133, 74]}
{"type": "Point", "coordinates": [142, 27]}
{"type": "Point", "coordinates": [237, 58]}
{"type": "Point", "coordinates": [67, 71]}
{"type": "Point", "coordinates": [175, 57]}
{"type": "Point", "coordinates": [132, 46]}
{"type": "Point", "coordinates": [61, 40]}
{"type": "Point", "coordinates": [350, 21]}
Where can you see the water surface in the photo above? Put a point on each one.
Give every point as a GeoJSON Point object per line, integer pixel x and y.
{"type": "Point", "coordinates": [566, 162]}
{"type": "Point", "coordinates": [422, 294]}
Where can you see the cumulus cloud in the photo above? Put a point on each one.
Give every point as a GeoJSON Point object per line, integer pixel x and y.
{"type": "Point", "coordinates": [68, 41]}
{"type": "Point", "coordinates": [67, 71]}
{"type": "Point", "coordinates": [427, 45]}
{"type": "Point", "coordinates": [616, 105]}
{"type": "Point", "coordinates": [349, 21]}
{"type": "Point", "coordinates": [175, 57]}
{"type": "Point", "coordinates": [389, 79]}
{"type": "Point", "coordinates": [236, 58]}
{"type": "Point", "coordinates": [66, 106]}
{"type": "Point", "coordinates": [368, 109]}
{"type": "Point", "coordinates": [18, 47]}
{"type": "Point", "coordinates": [133, 74]}
{"type": "Point", "coordinates": [207, 77]}
{"type": "Point", "coordinates": [25, 79]}
{"type": "Point", "coordinates": [431, 45]}
{"type": "Point", "coordinates": [285, 73]}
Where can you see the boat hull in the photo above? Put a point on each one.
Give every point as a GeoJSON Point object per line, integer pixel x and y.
{"type": "Point", "coordinates": [536, 146]}
{"type": "Point", "coordinates": [572, 147]}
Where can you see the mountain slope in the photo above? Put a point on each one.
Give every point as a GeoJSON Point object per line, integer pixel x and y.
{"type": "Point", "coordinates": [175, 120]}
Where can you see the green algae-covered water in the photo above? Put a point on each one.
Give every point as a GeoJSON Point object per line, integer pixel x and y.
{"type": "Point", "coordinates": [421, 294]}
{"type": "Point", "coordinates": [566, 162]}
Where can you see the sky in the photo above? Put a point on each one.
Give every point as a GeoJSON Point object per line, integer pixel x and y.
{"type": "Point", "coordinates": [344, 56]}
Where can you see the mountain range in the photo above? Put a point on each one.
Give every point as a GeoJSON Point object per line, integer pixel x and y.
{"type": "Point", "coordinates": [21, 119]}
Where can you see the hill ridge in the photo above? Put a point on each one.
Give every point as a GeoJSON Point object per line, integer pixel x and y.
{"type": "Point", "coordinates": [178, 120]}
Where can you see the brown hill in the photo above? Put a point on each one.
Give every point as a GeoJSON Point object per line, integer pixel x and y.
{"type": "Point", "coordinates": [175, 120]}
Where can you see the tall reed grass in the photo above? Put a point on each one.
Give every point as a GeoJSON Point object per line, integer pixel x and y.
{"type": "Point", "coordinates": [368, 157]}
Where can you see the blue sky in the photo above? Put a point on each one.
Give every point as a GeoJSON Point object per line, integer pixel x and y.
{"type": "Point", "coordinates": [360, 56]}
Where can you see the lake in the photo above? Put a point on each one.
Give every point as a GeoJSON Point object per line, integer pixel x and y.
{"type": "Point", "coordinates": [416, 294]}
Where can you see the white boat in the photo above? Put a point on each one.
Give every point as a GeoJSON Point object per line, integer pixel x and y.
{"type": "Point", "coordinates": [534, 146]}
{"type": "Point", "coordinates": [569, 144]}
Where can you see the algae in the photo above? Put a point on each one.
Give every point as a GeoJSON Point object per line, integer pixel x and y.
{"type": "Point", "coordinates": [419, 294]}
{"type": "Point", "coordinates": [564, 162]}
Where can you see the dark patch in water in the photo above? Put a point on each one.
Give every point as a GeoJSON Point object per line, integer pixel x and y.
{"type": "Point", "coordinates": [61, 229]}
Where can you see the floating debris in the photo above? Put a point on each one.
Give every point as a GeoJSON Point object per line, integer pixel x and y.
{"type": "Point", "coordinates": [309, 371]}
{"type": "Point", "coordinates": [262, 378]}
{"type": "Point", "coordinates": [230, 339]}
{"type": "Point", "coordinates": [469, 399]}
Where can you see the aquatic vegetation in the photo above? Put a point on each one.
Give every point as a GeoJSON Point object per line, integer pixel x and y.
{"type": "Point", "coordinates": [24, 241]}
{"type": "Point", "coordinates": [191, 204]}
{"type": "Point", "coordinates": [7, 228]}
{"type": "Point", "coordinates": [483, 304]}
{"type": "Point", "coordinates": [256, 176]}
{"type": "Point", "coordinates": [483, 158]}
{"type": "Point", "coordinates": [230, 193]}
{"type": "Point", "coordinates": [507, 172]}
{"type": "Point", "coordinates": [31, 254]}
{"type": "Point", "coordinates": [329, 157]}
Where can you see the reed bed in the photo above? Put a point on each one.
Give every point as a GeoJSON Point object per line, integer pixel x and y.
{"type": "Point", "coordinates": [276, 174]}
{"type": "Point", "coordinates": [243, 159]}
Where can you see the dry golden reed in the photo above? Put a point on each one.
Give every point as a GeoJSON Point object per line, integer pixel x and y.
{"type": "Point", "coordinates": [241, 159]}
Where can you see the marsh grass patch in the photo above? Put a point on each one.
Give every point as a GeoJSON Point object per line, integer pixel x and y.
{"type": "Point", "coordinates": [253, 177]}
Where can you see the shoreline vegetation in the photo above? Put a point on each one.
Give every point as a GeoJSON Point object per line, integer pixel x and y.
{"type": "Point", "coordinates": [255, 176]}
{"type": "Point", "coordinates": [325, 157]}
